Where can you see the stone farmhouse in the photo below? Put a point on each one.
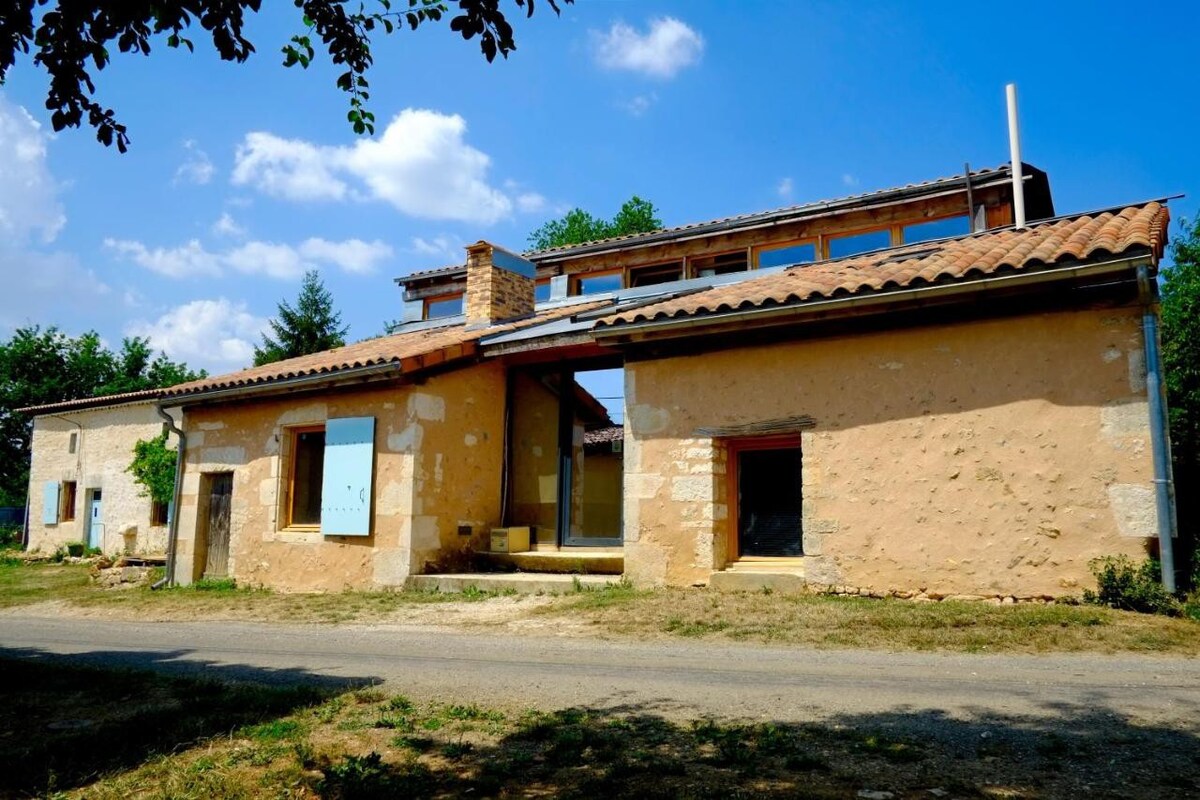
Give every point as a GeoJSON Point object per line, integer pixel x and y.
{"type": "Point", "coordinates": [903, 390]}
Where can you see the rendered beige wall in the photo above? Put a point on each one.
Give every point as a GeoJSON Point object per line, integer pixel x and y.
{"type": "Point", "coordinates": [104, 449]}
{"type": "Point", "coordinates": [438, 457]}
{"type": "Point", "coordinates": [992, 457]}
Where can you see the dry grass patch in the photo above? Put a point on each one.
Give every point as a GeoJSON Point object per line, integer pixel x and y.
{"type": "Point", "coordinates": [852, 622]}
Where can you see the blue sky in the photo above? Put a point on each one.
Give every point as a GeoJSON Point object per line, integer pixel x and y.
{"type": "Point", "coordinates": [240, 176]}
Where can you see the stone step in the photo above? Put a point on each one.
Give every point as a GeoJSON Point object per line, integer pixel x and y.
{"type": "Point", "coordinates": [568, 560]}
{"type": "Point", "coordinates": [504, 582]}
{"type": "Point", "coordinates": [756, 580]}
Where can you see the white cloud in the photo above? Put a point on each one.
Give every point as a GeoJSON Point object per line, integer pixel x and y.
{"type": "Point", "coordinates": [531, 203]}
{"type": "Point", "coordinates": [443, 248]}
{"type": "Point", "coordinates": [186, 261]}
{"type": "Point", "coordinates": [197, 167]}
{"type": "Point", "coordinates": [228, 226]}
{"type": "Point", "coordinates": [420, 164]}
{"type": "Point", "coordinates": [666, 47]}
{"type": "Point", "coordinates": [29, 206]}
{"type": "Point", "coordinates": [272, 259]}
{"type": "Point", "coordinates": [785, 188]}
{"type": "Point", "coordinates": [849, 180]}
{"type": "Point", "coordinates": [218, 335]}
{"type": "Point", "coordinates": [641, 103]}
{"type": "Point", "coordinates": [292, 169]}
{"type": "Point", "coordinates": [352, 255]}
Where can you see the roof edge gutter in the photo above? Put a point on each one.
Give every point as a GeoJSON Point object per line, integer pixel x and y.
{"type": "Point", "coordinates": [785, 313]}
{"type": "Point", "coordinates": [373, 372]}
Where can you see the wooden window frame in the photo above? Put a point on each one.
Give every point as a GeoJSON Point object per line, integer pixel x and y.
{"type": "Point", "coordinates": [693, 271]}
{"type": "Point", "coordinates": [293, 433]}
{"type": "Point", "coordinates": [67, 501]}
{"type": "Point", "coordinates": [757, 250]}
{"type": "Point", "coordinates": [733, 448]}
{"type": "Point", "coordinates": [627, 277]}
{"type": "Point", "coordinates": [441, 298]}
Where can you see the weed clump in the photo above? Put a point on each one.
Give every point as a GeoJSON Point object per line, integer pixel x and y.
{"type": "Point", "coordinates": [1128, 586]}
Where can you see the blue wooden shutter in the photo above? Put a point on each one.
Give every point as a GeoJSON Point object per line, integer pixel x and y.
{"type": "Point", "coordinates": [346, 482]}
{"type": "Point", "coordinates": [50, 503]}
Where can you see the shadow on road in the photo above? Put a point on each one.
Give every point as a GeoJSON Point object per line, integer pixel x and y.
{"type": "Point", "coordinates": [66, 722]}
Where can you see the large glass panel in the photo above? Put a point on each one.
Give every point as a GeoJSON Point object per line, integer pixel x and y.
{"type": "Point", "coordinates": [541, 291]}
{"type": "Point", "coordinates": [444, 307]}
{"type": "Point", "coordinates": [788, 254]}
{"type": "Point", "coordinates": [859, 243]}
{"type": "Point", "coordinates": [937, 229]}
{"type": "Point", "coordinates": [655, 274]}
{"type": "Point", "coordinates": [598, 284]}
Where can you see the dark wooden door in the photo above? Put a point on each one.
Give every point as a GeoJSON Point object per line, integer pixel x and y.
{"type": "Point", "coordinates": [220, 492]}
{"type": "Point", "coordinates": [769, 503]}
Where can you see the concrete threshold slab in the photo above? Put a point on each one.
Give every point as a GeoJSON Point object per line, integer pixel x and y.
{"type": "Point", "coordinates": [519, 582]}
{"type": "Point", "coordinates": [582, 561]}
{"type": "Point", "coordinates": [756, 581]}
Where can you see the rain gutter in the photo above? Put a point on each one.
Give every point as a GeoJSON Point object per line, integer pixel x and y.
{"type": "Point", "coordinates": [1160, 441]}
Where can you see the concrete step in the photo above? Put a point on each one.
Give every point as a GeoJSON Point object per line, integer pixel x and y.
{"type": "Point", "coordinates": [503, 582]}
{"type": "Point", "coordinates": [610, 561]}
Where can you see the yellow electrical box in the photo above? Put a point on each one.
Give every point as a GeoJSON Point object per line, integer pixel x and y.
{"type": "Point", "coordinates": [510, 540]}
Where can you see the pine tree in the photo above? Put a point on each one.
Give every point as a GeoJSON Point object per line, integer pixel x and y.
{"type": "Point", "coordinates": [310, 327]}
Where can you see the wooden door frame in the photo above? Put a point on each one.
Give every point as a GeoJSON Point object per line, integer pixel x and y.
{"type": "Point", "coordinates": [203, 513]}
{"type": "Point", "coordinates": [734, 447]}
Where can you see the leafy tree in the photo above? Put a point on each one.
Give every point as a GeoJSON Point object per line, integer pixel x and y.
{"type": "Point", "coordinates": [578, 226]}
{"type": "Point", "coordinates": [1181, 365]}
{"type": "Point", "coordinates": [310, 327]}
{"type": "Point", "coordinates": [40, 366]}
{"type": "Point", "coordinates": [153, 466]}
{"type": "Point", "coordinates": [67, 38]}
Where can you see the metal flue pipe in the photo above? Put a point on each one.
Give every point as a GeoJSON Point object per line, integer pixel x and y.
{"type": "Point", "coordinates": [1014, 149]}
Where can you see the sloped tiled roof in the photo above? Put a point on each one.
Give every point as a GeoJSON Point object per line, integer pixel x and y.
{"type": "Point", "coordinates": [85, 403]}
{"type": "Point", "coordinates": [1069, 240]}
{"type": "Point", "coordinates": [979, 178]}
{"type": "Point", "coordinates": [409, 351]}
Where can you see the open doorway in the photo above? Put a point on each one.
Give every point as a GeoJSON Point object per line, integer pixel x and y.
{"type": "Point", "coordinates": [566, 469]}
{"type": "Point", "coordinates": [769, 499]}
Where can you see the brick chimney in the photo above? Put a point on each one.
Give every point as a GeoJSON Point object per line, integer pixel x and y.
{"type": "Point", "coordinates": [499, 285]}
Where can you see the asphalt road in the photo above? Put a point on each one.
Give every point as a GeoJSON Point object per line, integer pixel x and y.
{"type": "Point", "coordinates": [674, 678]}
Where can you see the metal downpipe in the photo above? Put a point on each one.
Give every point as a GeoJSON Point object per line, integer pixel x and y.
{"type": "Point", "coordinates": [1160, 443]}
{"type": "Point", "coordinates": [173, 532]}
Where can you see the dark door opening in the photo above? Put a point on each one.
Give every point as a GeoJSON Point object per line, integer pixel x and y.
{"type": "Point", "coordinates": [769, 503]}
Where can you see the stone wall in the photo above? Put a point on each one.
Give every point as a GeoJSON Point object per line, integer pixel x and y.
{"type": "Point", "coordinates": [495, 293]}
{"type": "Point", "coordinates": [438, 458]}
{"type": "Point", "coordinates": [104, 449]}
{"type": "Point", "coordinates": [986, 458]}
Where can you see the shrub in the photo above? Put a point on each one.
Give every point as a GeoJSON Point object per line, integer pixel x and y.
{"type": "Point", "coordinates": [1132, 587]}
{"type": "Point", "coordinates": [10, 536]}
{"type": "Point", "coordinates": [76, 549]}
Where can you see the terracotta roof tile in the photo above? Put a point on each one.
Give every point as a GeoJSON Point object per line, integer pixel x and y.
{"type": "Point", "coordinates": [100, 401]}
{"type": "Point", "coordinates": [1046, 245]}
{"type": "Point", "coordinates": [408, 350]}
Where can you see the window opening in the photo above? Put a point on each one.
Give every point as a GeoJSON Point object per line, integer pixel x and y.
{"type": "Point", "coordinates": [73, 442]}
{"type": "Point", "coordinates": [936, 229]}
{"type": "Point", "coordinates": [655, 274]}
{"type": "Point", "coordinates": [598, 284]}
{"type": "Point", "coordinates": [449, 306]}
{"type": "Point", "coordinates": [67, 513]}
{"type": "Point", "coordinates": [723, 264]}
{"type": "Point", "coordinates": [786, 254]}
{"type": "Point", "coordinates": [855, 243]}
{"type": "Point", "coordinates": [307, 472]}
{"type": "Point", "coordinates": [158, 513]}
